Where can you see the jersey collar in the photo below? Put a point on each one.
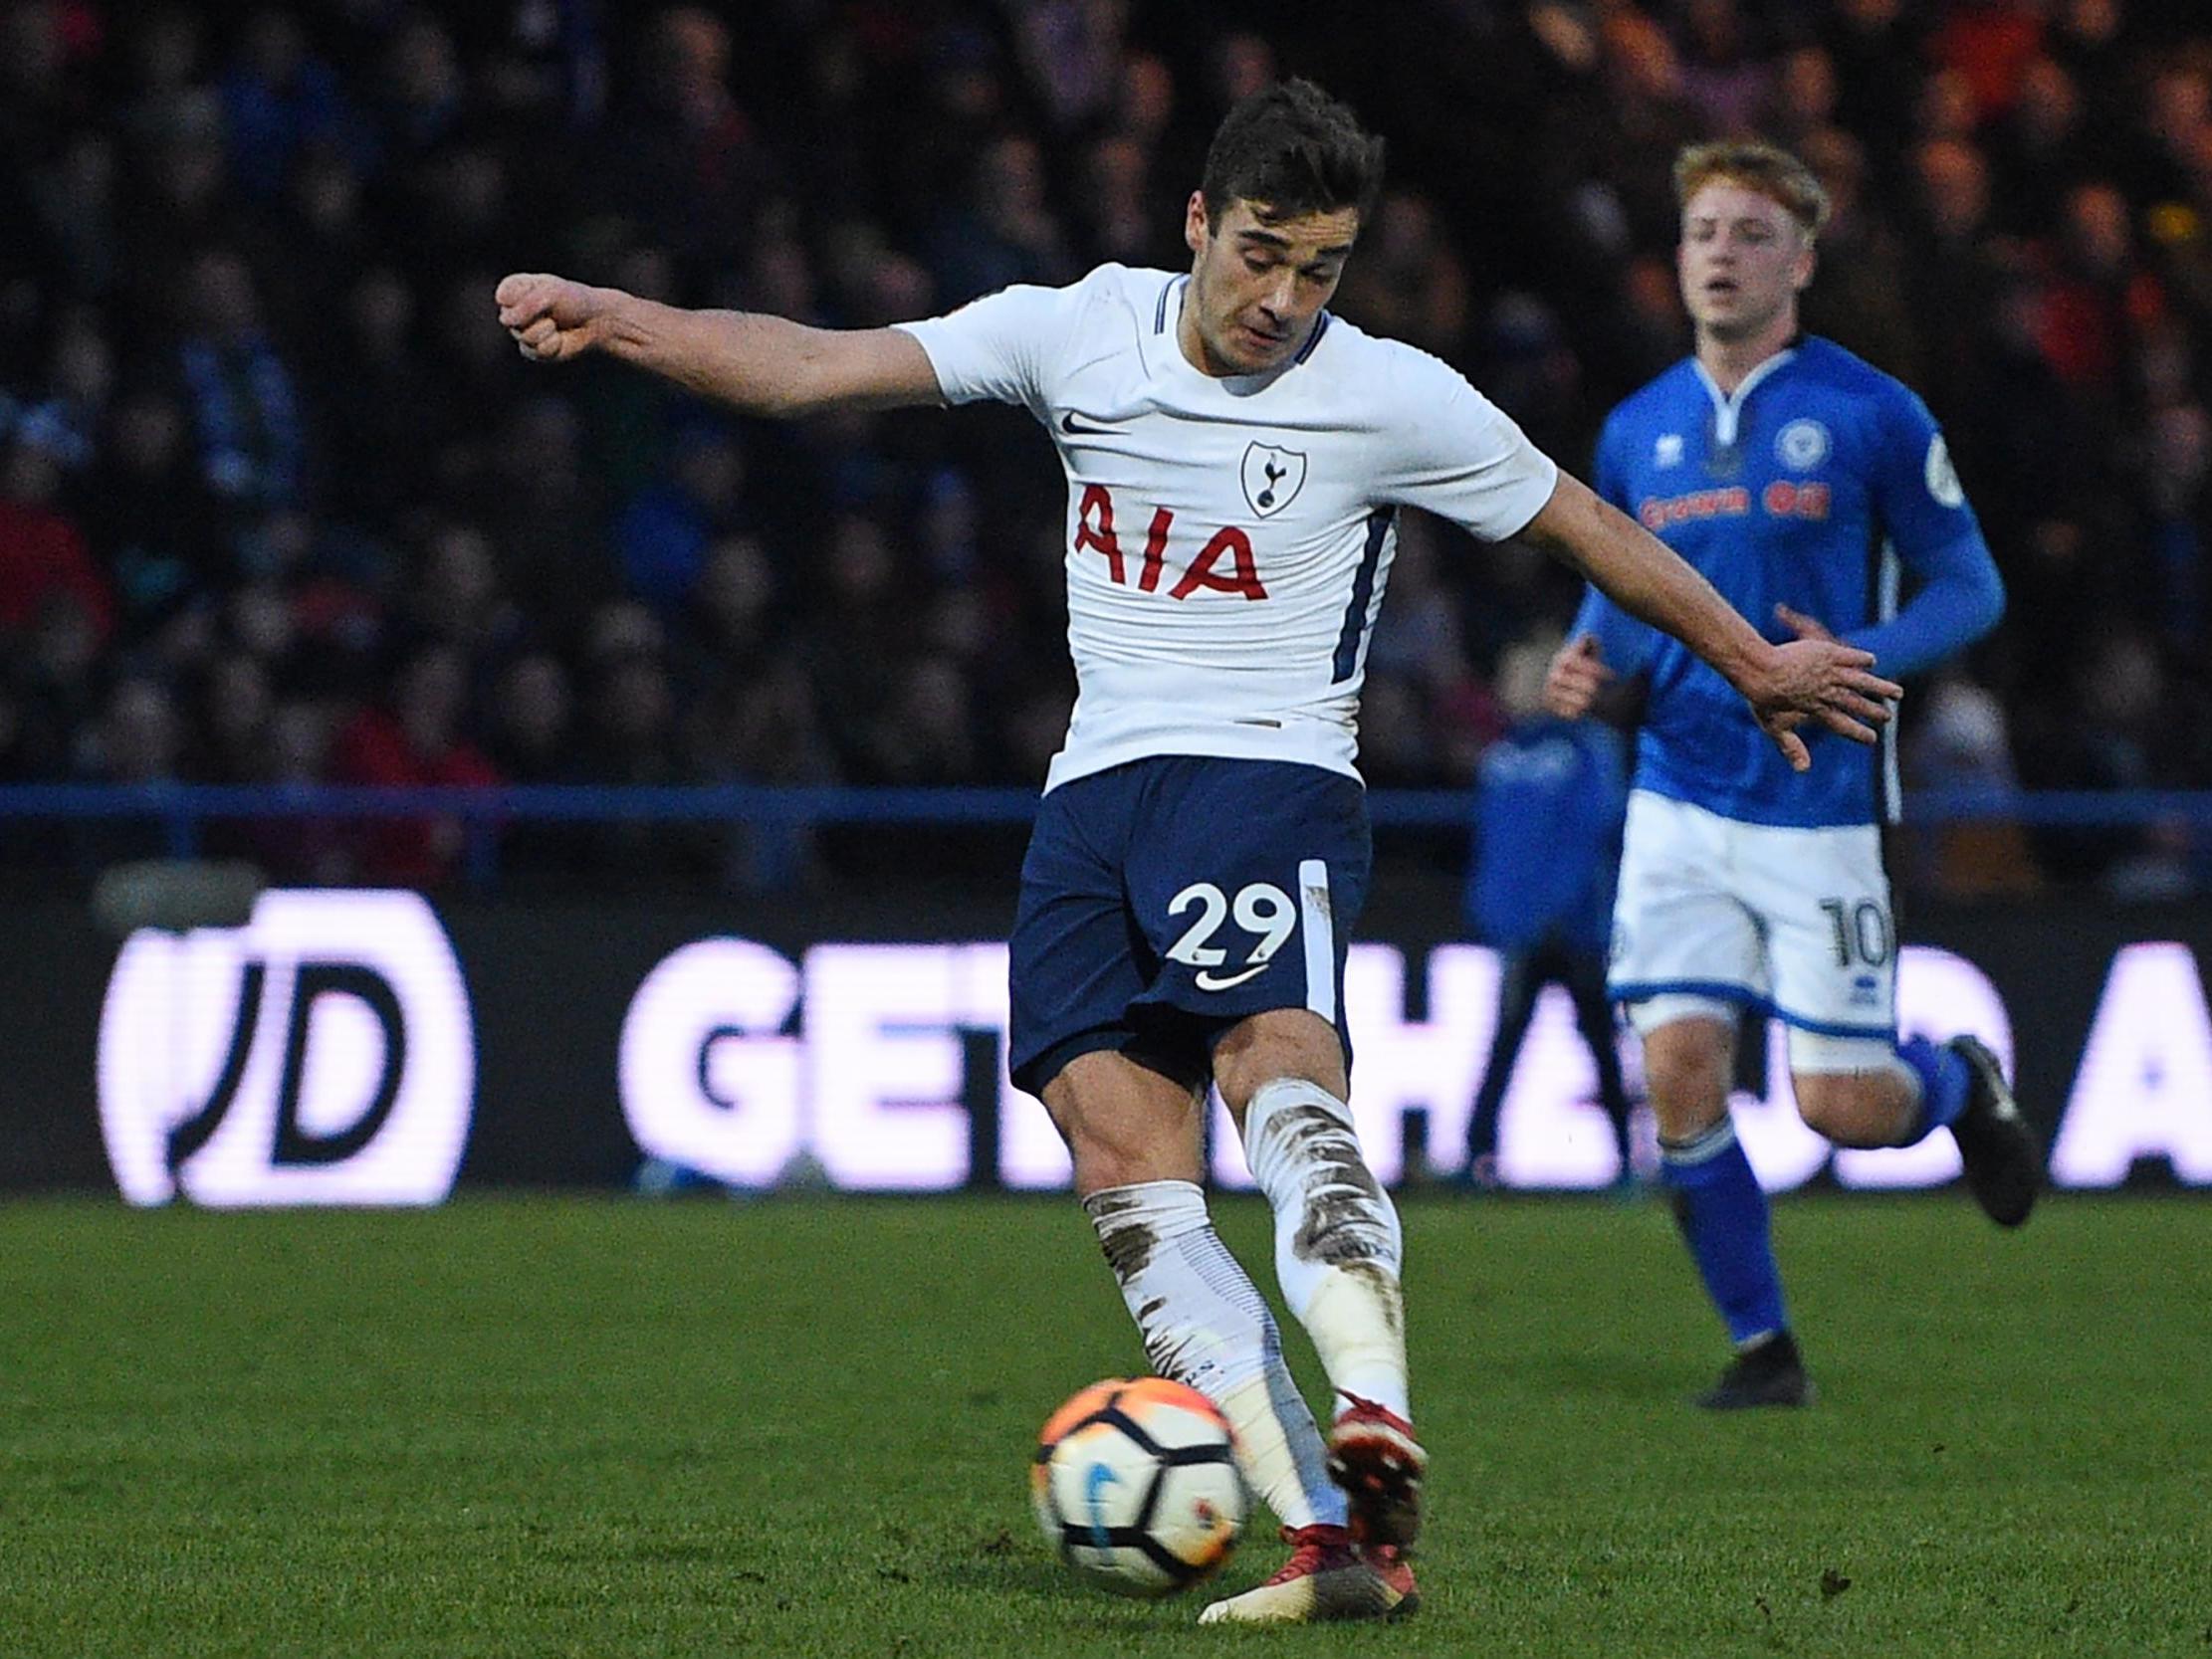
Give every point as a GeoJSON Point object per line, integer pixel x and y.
{"type": "Point", "coordinates": [1729, 410]}
{"type": "Point", "coordinates": [1172, 298]}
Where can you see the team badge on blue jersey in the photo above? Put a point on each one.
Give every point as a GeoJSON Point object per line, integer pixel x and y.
{"type": "Point", "coordinates": [1668, 452]}
{"type": "Point", "coordinates": [1802, 445]}
{"type": "Point", "coordinates": [1273, 476]}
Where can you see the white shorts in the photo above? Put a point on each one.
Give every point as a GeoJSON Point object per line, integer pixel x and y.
{"type": "Point", "coordinates": [1715, 914]}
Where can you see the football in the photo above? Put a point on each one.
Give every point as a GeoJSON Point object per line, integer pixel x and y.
{"type": "Point", "coordinates": [1137, 1488]}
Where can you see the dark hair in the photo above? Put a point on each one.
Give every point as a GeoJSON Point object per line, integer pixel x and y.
{"type": "Point", "coordinates": [1292, 149]}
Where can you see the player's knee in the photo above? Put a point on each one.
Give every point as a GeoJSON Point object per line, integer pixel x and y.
{"type": "Point", "coordinates": [1686, 1108]}
{"type": "Point", "coordinates": [1127, 1148]}
{"type": "Point", "coordinates": [1124, 1125]}
{"type": "Point", "coordinates": [1827, 1101]}
{"type": "Point", "coordinates": [1280, 1043]}
{"type": "Point", "coordinates": [1687, 1069]}
{"type": "Point", "coordinates": [1848, 1087]}
{"type": "Point", "coordinates": [1857, 1106]}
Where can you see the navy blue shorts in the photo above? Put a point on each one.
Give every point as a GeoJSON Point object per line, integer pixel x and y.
{"type": "Point", "coordinates": [1167, 899]}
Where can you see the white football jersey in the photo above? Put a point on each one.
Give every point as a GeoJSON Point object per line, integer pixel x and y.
{"type": "Point", "coordinates": [1228, 539]}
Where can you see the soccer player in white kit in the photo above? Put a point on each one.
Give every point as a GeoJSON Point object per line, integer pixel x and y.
{"type": "Point", "coordinates": [1235, 458]}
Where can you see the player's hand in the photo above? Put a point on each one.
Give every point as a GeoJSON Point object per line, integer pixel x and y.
{"type": "Point", "coordinates": [1820, 680]}
{"type": "Point", "coordinates": [1803, 626]}
{"type": "Point", "coordinates": [1575, 678]}
{"type": "Point", "coordinates": [551, 318]}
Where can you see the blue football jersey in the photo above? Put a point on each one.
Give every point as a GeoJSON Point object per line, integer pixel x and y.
{"type": "Point", "coordinates": [1819, 485]}
{"type": "Point", "coordinates": [1548, 804]}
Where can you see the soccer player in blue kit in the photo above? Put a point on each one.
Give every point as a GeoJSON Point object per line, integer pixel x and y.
{"type": "Point", "coordinates": [1235, 458]}
{"type": "Point", "coordinates": [1799, 480]}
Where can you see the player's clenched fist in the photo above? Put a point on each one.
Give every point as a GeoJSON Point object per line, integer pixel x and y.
{"type": "Point", "coordinates": [1575, 676]}
{"type": "Point", "coordinates": [551, 318]}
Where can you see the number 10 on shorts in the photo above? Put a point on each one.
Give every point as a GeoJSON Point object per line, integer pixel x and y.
{"type": "Point", "coordinates": [1861, 932]}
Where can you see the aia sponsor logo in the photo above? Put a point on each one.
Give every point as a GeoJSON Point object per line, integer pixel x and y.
{"type": "Point", "coordinates": [1223, 565]}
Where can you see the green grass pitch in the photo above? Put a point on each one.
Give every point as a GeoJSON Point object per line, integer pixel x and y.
{"type": "Point", "coordinates": [542, 1426]}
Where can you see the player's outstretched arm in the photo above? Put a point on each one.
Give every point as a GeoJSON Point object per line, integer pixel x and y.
{"type": "Point", "coordinates": [1786, 685]}
{"type": "Point", "coordinates": [764, 365]}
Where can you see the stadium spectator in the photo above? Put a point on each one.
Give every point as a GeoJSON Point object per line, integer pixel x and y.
{"type": "Point", "coordinates": [235, 706]}
{"type": "Point", "coordinates": [244, 407]}
{"type": "Point", "coordinates": [728, 616]}
{"type": "Point", "coordinates": [138, 736]}
{"type": "Point", "coordinates": [279, 98]}
{"type": "Point", "coordinates": [44, 562]}
{"type": "Point", "coordinates": [1412, 285]}
{"type": "Point", "coordinates": [1961, 744]}
{"type": "Point", "coordinates": [662, 537]}
{"type": "Point", "coordinates": [55, 665]}
{"type": "Point", "coordinates": [1001, 229]}
{"type": "Point", "coordinates": [64, 418]}
{"type": "Point", "coordinates": [252, 242]}
{"type": "Point", "coordinates": [530, 738]}
{"type": "Point", "coordinates": [146, 512]}
{"type": "Point", "coordinates": [686, 159]}
{"type": "Point", "coordinates": [1727, 81]}
{"type": "Point", "coordinates": [413, 739]}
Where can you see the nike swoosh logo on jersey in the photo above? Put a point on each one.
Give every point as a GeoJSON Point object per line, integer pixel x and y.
{"type": "Point", "coordinates": [1207, 982]}
{"type": "Point", "coordinates": [1068, 426]}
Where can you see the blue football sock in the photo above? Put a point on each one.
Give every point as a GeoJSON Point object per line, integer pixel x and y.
{"type": "Point", "coordinates": [1945, 1082]}
{"type": "Point", "coordinates": [1724, 1217]}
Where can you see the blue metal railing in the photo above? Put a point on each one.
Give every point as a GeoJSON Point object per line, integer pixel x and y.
{"type": "Point", "coordinates": [781, 815]}
{"type": "Point", "coordinates": [197, 803]}
{"type": "Point", "coordinates": [523, 803]}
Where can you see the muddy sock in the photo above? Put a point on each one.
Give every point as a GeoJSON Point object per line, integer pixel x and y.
{"type": "Point", "coordinates": [1337, 1240]}
{"type": "Point", "coordinates": [1204, 1324]}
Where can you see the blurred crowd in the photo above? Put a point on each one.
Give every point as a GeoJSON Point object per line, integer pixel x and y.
{"type": "Point", "coordinates": [279, 503]}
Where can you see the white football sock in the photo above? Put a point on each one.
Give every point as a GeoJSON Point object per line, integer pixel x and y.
{"type": "Point", "coordinates": [1337, 1241]}
{"type": "Point", "coordinates": [1204, 1324]}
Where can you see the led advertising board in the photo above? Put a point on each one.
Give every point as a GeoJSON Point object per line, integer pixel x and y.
{"type": "Point", "coordinates": [331, 1052]}
{"type": "Point", "coordinates": [322, 1054]}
